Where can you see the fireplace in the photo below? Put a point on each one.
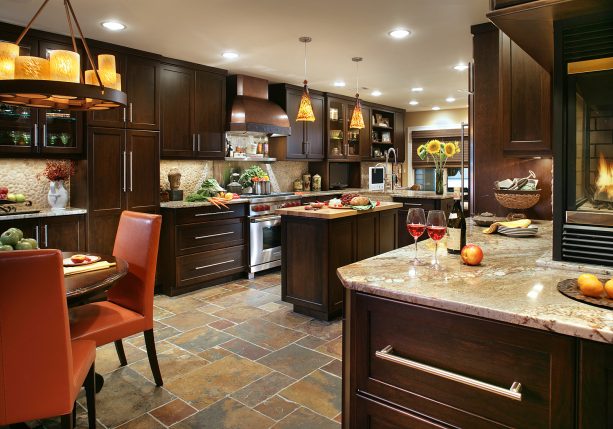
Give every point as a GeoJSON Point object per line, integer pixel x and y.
{"type": "Point", "coordinates": [583, 135]}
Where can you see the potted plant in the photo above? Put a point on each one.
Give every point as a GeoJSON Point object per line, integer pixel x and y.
{"type": "Point", "coordinates": [440, 152]}
{"type": "Point", "coordinates": [57, 172]}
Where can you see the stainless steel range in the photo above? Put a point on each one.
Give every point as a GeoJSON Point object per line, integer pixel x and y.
{"type": "Point", "coordinates": [265, 229]}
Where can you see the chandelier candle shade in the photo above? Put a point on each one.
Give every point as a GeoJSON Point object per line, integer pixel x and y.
{"type": "Point", "coordinates": [357, 120]}
{"type": "Point", "coordinates": [8, 53]}
{"type": "Point", "coordinates": [56, 83]}
{"type": "Point", "coordinates": [305, 111]}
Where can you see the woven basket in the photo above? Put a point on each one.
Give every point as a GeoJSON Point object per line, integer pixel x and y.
{"type": "Point", "coordinates": [517, 200]}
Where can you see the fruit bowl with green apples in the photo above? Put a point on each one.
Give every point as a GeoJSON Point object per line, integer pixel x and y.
{"type": "Point", "coordinates": [12, 239]}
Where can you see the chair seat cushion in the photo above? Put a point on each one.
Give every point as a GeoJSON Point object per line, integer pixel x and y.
{"type": "Point", "coordinates": [104, 322]}
{"type": "Point", "coordinates": [83, 356]}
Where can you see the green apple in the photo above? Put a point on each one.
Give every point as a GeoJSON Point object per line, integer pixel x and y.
{"type": "Point", "coordinates": [5, 248]}
{"type": "Point", "coordinates": [10, 237]}
{"type": "Point", "coordinates": [23, 245]}
{"type": "Point", "coordinates": [20, 198]}
{"type": "Point", "coordinates": [32, 242]}
{"type": "Point", "coordinates": [19, 232]}
{"type": "Point", "coordinates": [11, 197]}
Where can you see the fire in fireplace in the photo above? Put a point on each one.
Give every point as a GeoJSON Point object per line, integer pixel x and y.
{"type": "Point", "coordinates": [604, 184]}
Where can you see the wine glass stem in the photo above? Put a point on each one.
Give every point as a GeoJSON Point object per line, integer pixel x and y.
{"type": "Point", "coordinates": [435, 251]}
{"type": "Point", "coordinates": [415, 238]}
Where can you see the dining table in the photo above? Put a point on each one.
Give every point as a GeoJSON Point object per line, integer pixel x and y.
{"type": "Point", "coordinates": [83, 286]}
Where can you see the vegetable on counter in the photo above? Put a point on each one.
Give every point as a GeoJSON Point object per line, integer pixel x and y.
{"type": "Point", "coordinates": [209, 188]}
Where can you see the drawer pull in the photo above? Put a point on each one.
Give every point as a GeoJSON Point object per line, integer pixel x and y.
{"type": "Point", "coordinates": [514, 392]}
{"type": "Point", "coordinates": [413, 204]}
{"type": "Point", "coordinates": [213, 265]}
{"type": "Point", "coordinates": [212, 214]}
{"type": "Point", "coordinates": [200, 237]}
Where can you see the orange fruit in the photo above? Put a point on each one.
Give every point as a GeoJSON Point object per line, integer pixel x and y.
{"type": "Point", "coordinates": [608, 287]}
{"type": "Point", "coordinates": [590, 285]}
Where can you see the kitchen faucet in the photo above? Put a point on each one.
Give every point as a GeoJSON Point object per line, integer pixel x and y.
{"type": "Point", "coordinates": [387, 156]}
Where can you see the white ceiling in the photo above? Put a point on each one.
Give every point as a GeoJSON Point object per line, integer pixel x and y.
{"type": "Point", "coordinates": [265, 33]}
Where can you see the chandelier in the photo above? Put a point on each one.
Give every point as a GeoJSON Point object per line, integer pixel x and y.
{"type": "Point", "coordinates": [305, 111]}
{"type": "Point", "coordinates": [56, 82]}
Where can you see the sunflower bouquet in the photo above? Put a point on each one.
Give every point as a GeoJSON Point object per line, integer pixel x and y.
{"type": "Point", "coordinates": [440, 152]}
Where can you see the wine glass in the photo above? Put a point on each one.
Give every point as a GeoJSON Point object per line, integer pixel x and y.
{"type": "Point", "coordinates": [437, 228]}
{"type": "Point", "coordinates": [416, 226]}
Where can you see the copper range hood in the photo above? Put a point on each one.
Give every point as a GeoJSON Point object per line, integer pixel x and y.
{"type": "Point", "coordinates": [250, 110]}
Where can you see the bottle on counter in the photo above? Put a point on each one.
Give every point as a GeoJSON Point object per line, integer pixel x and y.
{"type": "Point", "coordinates": [230, 151]}
{"type": "Point", "coordinates": [456, 228]}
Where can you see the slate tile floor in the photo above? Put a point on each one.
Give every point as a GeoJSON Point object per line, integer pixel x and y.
{"type": "Point", "coordinates": [232, 356]}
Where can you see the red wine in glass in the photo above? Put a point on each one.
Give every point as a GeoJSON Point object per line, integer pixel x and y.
{"type": "Point", "coordinates": [416, 225]}
{"type": "Point", "coordinates": [437, 227]}
{"type": "Point", "coordinates": [436, 233]}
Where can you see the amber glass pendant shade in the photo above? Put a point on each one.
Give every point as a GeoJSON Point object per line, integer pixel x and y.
{"type": "Point", "coordinates": [357, 120]}
{"type": "Point", "coordinates": [305, 111]}
{"type": "Point", "coordinates": [65, 66]}
{"type": "Point", "coordinates": [8, 53]}
{"type": "Point", "coordinates": [31, 68]}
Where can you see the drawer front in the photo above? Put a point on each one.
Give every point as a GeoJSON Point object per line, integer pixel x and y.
{"type": "Point", "coordinates": [410, 203]}
{"type": "Point", "coordinates": [205, 266]}
{"type": "Point", "coordinates": [460, 369]}
{"type": "Point", "coordinates": [198, 237]}
{"type": "Point", "coordinates": [209, 213]}
{"type": "Point", "coordinates": [372, 414]}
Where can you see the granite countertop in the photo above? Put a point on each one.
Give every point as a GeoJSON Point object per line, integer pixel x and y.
{"type": "Point", "coordinates": [508, 286]}
{"type": "Point", "coordinates": [404, 193]}
{"type": "Point", "coordinates": [69, 211]}
{"type": "Point", "coordinates": [327, 213]}
{"type": "Point", "coordinates": [187, 204]}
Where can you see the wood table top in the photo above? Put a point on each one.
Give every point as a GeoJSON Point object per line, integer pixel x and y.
{"type": "Point", "coordinates": [328, 213]}
{"type": "Point", "coordinates": [79, 286]}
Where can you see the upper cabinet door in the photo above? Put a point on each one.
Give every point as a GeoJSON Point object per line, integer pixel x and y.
{"type": "Point", "coordinates": [316, 130]}
{"type": "Point", "coordinates": [210, 114]}
{"type": "Point", "coordinates": [400, 143]}
{"type": "Point", "coordinates": [107, 161]}
{"type": "Point", "coordinates": [526, 103]}
{"type": "Point", "coordinates": [61, 131]}
{"type": "Point", "coordinates": [177, 92]}
{"type": "Point", "coordinates": [114, 118]}
{"type": "Point", "coordinates": [143, 181]}
{"type": "Point", "coordinates": [366, 133]}
{"type": "Point", "coordinates": [295, 142]}
{"type": "Point", "coordinates": [142, 84]}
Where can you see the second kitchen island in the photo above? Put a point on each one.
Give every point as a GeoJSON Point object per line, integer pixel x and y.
{"type": "Point", "coordinates": [316, 243]}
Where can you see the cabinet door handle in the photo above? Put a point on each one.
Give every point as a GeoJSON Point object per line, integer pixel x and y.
{"type": "Point", "coordinates": [131, 175]}
{"type": "Point", "coordinates": [198, 142]}
{"type": "Point", "coordinates": [124, 170]}
{"type": "Point", "coordinates": [413, 204]}
{"type": "Point", "coordinates": [36, 234]}
{"type": "Point", "coordinates": [124, 114]}
{"type": "Point", "coordinates": [200, 237]}
{"type": "Point", "coordinates": [514, 392]}
{"type": "Point", "coordinates": [214, 265]}
{"type": "Point", "coordinates": [35, 135]}
{"type": "Point", "coordinates": [131, 111]}
{"type": "Point", "coordinates": [44, 135]}
{"type": "Point", "coordinates": [46, 236]}
{"type": "Point", "coordinates": [213, 214]}
{"type": "Point", "coordinates": [193, 142]}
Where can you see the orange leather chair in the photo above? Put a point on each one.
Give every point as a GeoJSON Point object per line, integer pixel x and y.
{"type": "Point", "coordinates": [128, 309]}
{"type": "Point", "coordinates": [41, 369]}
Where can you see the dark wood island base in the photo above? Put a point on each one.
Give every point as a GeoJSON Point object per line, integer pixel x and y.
{"type": "Point", "coordinates": [315, 244]}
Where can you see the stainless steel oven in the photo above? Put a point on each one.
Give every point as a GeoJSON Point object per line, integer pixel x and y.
{"type": "Point", "coordinates": [265, 230]}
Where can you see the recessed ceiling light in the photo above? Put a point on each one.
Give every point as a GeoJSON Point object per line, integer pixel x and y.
{"type": "Point", "coordinates": [436, 108]}
{"type": "Point", "coordinates": [449, 99]}
{"type": "Point", "coordinates": [413, 102]}
{"type": "Point", "coordinates": [460, 67]}
{"type": "Point", "coordinates": [113, 25]}
{"type": "Point", "coordinates": [399, 33]}
{"type": "Point", "coordinates": [230, 55]}
{"type": "Point", "coordinates": [417, 89]}
{"type": "Point", "coordinates": [339, 83]}
{"type": "Point", "coordinates": [375, 93]}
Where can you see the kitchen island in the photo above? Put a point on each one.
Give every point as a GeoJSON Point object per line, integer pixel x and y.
{"type": "Point", "coordinates": [316, 242]}
{"type": "Point", "coordinates": [489, 346]}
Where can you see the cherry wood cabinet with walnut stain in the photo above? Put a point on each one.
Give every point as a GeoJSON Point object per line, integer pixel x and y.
{"type": "Point", "coordinates": [66, 233]}
{"type": "Point", "coordinates": [313, 249]}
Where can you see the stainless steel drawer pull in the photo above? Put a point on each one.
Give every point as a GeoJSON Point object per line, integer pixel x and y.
{"type": "Point", "coordinates": [213, 265]}
{"type": "Point", "coordinates": [213, 214]}
{"type": "Point", "coordinates": [200, 237]}
{"type": "Point", "coordinates": [412, 204]}
{"type": "Point", "coordinates": [514, 392]}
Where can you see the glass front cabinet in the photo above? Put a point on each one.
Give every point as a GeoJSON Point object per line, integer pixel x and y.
{"type": "Point", "coordinates": [343, 142]}
{"type": "Point", "coordinates": [29, 131]}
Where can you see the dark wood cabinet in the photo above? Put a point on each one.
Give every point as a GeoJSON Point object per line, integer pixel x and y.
{"type": "Point", "coordinates": [400, 141]}
{"type": "Point", "coordinates": [293, 146]}
{"type": "Point", "coordinates": [66, 233]}
{"type": "Point", "coordinates": [143, 89]}
{"type": "Point", "coordinates": [202, 246]}
{"type": "Point", "coordinates": [143, 192]}
{"type": "Point", "coordinates": [343, 141]}
{"type": "Point", "coordinates": [445, 204]}
{"type": "Point", "coordinates": [193, 113]}
{"type": "Point", "coordinates": [595, 388]}
{"type": "Point", "coordinates": [456, 373]}
{"type": "Point", "coordinates": [525, 102]}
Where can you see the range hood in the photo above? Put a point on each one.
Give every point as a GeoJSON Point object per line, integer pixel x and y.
{"type": "Point", "coordinates": [250, 110]}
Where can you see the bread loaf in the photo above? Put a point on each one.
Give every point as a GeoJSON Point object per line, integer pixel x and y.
{"type": "Point", "coordinates": [359, 201]}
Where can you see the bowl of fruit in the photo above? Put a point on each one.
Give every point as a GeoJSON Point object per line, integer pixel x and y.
{"type": "Point", "coordinates": [13, 239]}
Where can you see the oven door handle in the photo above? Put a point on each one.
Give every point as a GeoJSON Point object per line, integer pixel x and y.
{"type": "Point", "coordinates": [266, 219]}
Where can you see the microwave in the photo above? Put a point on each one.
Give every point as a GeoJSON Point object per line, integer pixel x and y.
{"type": "Point", "coordinates": [376, 178]}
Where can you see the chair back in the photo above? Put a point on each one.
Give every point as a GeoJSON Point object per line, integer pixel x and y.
{"type": "Point", "coordinates": [137, 241]}
{"type": "Point", "coordinates": [35, 350]}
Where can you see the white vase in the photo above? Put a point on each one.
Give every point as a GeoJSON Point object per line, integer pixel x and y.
{"type": "Point", "coordinates": [57, 196]}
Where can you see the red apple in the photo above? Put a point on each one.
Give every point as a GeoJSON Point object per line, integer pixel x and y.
{"type": "Point", "coordinates": [471, 254]}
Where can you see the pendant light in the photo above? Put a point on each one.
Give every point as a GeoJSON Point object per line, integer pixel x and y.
{"type": "Point", "coordinates": [56, 82]}
{"type": "Point", "coordinates": [305, 111]}
{"type": "Point", "coordinates": [357, 120]}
